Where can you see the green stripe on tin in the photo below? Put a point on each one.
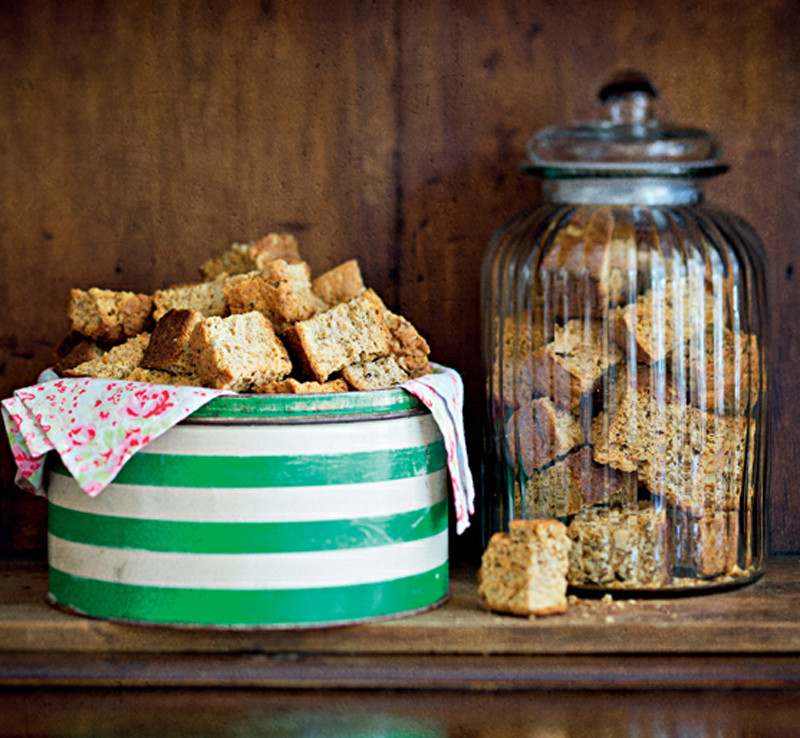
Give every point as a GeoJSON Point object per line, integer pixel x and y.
{"type": "Point", "coordinates": [290, 407]}
{"type": "Point", "coordinates": [245, 538]}
{"type": "Point", "coordinates": [172, 470]}
{"type": "Point", "coordinates": [225, 607]}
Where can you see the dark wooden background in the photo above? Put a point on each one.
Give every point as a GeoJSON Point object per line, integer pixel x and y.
{"type": "Point", "coordinates": [139, 138]}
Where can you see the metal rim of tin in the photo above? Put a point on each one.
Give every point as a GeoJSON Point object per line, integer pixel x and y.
{"type": "Point", "coordinates": [334, 407]}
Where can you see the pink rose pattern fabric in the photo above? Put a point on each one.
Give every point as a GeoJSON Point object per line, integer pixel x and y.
{"type": "Point", "coordinates": [96, 425]}
{"type": "Point", "coordinates": [442, 392]}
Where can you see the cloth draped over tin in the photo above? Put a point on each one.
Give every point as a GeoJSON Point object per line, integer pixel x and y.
{"type": "Point", "coordinates": [96, 425]}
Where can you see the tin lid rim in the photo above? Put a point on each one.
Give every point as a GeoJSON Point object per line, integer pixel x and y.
{"type": "Point", "coordinates": [291, 406]}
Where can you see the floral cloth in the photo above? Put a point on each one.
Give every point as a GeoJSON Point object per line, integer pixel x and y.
{"type": "Point", "coordinates": [442, 392]}
{"type": "Point", "coordinates": [96, 425]}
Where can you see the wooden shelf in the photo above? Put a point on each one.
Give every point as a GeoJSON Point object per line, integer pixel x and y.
{"type": "Point", "coordinates": [747, 638]}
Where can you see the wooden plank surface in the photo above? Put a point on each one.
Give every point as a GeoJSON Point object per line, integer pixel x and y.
{"type": "Point", "coordinates": [756, 620]}
{"type": "Point", "coordinates": [747, 640]}
{"type": "Point", "coordinates": [113, 713]}
{"type": "Point", "coordinates": [463, 673]}
{"type": "Point", "coordinates": [140, 138]}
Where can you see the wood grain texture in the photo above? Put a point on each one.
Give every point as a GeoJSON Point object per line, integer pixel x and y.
{"type": "Point", "coordinates": [137, 139]}
{"type": "Point", "coordinates": [117, 713]}
{"type": "Point", "coordinates": [622, 673]}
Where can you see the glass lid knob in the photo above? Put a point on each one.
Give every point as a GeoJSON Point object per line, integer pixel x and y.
{"type": "Point", "coordinates": [628, 98]}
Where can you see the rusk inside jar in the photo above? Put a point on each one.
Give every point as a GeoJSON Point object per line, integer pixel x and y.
{"type": "Point", "coordinates": [625, 346]}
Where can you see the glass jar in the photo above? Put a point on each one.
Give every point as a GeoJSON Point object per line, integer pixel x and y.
{"type": "Point", "coordinates": [625, 352]}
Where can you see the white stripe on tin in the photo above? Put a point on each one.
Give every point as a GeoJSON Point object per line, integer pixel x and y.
{"type": "Point", "coordinates": [253, 505]}
{"type": "Point", "coordinates": [340, 568]}
{"type": "Point", "coordinates": [307, 439]}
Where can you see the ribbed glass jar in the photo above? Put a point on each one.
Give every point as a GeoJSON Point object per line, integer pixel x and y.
{"type": "Point", "coordinates": [625, 330]}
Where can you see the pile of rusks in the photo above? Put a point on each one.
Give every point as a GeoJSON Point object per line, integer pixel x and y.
{"type": "Point", "coordinates": [639, 434]}
{"type": "Point", "coordinates": [638, 430]}
{"type": "Point", "coordinates": [255, 322]}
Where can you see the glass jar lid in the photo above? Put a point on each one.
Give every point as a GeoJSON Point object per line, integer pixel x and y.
{"type": "Point", "coordinates": [626, 141]}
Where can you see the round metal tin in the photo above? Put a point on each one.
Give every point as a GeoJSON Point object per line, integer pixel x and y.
{"type": "Point", "coordinates": [262, 512]}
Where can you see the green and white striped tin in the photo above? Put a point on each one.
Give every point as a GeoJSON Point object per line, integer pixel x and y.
{"type": "Point", "coordinates": [263, 512]}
